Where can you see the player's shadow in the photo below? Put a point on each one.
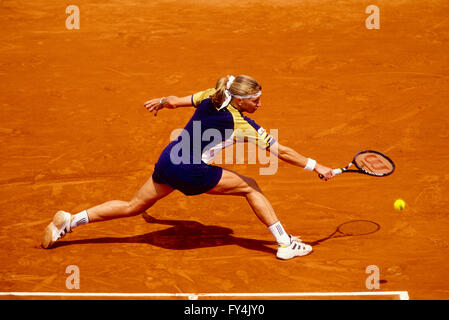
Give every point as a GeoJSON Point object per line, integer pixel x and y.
{"type": "Point", "coordinates": [182, 235]}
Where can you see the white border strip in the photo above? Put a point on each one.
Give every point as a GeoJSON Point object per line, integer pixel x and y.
{"type": "Point", "coordinates": [403, 295]}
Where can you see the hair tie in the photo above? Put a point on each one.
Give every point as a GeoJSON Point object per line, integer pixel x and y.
{"type": "Point", "coordinates": [227, 100]}
{"type": "Point", "coordinates": [228, 95]}
{"type": "Point", "coordinates": [230, 81]}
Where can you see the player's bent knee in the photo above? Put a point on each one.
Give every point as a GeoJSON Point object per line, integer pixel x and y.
{"type": "Point", "coordinates": [252, 182]}
{"type": "Point", "coordinates": [246, 189]}
{"type": "Point", "coordinates": [251, 185]}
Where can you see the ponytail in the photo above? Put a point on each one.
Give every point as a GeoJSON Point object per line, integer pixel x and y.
{"type": "Point", "coordinates": [219, 96]}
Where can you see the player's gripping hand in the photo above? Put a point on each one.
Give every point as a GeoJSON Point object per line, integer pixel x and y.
{"type": "Point", "coordinates": [325, 171]}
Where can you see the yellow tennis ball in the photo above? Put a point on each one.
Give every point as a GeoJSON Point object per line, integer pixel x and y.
{"type": "Point", "coordinates": [399, 204]}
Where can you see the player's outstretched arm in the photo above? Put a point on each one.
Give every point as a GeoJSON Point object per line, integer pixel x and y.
{"type": "Point", "coordinates": [170, 102]}
{"type": "Point", "coordinates": [291, 156]}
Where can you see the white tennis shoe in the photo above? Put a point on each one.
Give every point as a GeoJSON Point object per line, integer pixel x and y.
{"type": "Point", "coordinates": [295, 249]}
{"type": "Point", "coordinates": [56, 229]}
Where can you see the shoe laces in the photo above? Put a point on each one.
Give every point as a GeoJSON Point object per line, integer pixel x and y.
{"type": "Point", "coordinates": [295, 239]}
{"type": "Point", "coordinates": [63, 232]}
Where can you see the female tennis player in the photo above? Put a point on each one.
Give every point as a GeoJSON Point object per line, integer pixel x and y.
{"type": "Point", "coordinates": [219, 109]}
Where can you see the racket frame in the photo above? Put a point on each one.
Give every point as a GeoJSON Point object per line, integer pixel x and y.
{"type": "Point", "coordinates": [361, 170]}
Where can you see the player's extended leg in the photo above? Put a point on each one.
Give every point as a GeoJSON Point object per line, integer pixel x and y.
{"type": "Point", "coordinates": [64, 222]}
{"type": "Point", "coordinates": [145, 198]}
{"type": "Point", "coordinates": [232, 183]}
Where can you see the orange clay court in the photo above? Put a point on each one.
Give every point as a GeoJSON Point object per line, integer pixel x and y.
{"type": "Point", "coordinates": [74, 133]}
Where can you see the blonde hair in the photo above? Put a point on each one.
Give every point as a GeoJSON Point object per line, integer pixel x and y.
{"type": "Point", "coordinates": [242, 86]}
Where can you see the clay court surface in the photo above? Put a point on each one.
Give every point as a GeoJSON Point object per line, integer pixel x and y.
{"type": "Point", "coordinates": [74, 133]}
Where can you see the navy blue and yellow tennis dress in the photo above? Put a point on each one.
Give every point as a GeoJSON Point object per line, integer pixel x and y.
{"type": "Point", "coordinates": [185, 162]}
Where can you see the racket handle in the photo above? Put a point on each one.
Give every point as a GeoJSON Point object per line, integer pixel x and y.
{"type": "Point", "coordinates": [335, 171]}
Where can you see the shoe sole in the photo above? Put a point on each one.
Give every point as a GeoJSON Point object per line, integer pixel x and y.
{"type": "Point", "coordinates": [297, 255]}
{"type": "Point", "coordinates": [58, 221]}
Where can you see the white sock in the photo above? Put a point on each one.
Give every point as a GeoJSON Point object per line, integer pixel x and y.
{"type": "Point", "coordinates": [79, 219]}
{"type": "Point", "coordinates": [279, 233]}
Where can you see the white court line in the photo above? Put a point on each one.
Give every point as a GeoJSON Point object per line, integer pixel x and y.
{"type": "Point", "coordinates": [403, 295]}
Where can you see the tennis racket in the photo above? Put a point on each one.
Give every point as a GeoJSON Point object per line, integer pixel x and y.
{"type": "Point", "coordinates": [373, 163]}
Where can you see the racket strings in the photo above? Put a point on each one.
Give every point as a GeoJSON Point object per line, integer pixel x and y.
{"type": "Point", "coordinates": [374, 163]}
